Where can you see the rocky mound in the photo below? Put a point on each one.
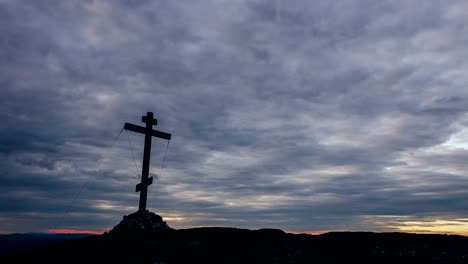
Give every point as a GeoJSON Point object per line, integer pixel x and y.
{"type": "Point", "coordinates": [141, 222]}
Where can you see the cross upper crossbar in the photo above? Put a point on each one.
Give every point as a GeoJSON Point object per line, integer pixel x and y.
{"type": "Point", "coordinates": [142, 130]}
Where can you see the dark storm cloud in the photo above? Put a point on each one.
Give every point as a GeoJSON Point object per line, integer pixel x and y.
{"type": "Point", "coordinates": [305, 115]}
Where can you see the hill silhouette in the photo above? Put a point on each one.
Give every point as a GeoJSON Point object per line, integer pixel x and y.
{"type": "Point", "coordinates": [143, 237]}
{"type": "Point", "coordinates": [20, 242]}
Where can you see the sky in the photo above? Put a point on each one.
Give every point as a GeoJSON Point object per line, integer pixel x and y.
{"type": "Point", "coordinates": [303, 115]}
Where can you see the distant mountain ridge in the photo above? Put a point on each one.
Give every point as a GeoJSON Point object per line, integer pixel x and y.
{"type": "Point", "coordinates": [20, 242]}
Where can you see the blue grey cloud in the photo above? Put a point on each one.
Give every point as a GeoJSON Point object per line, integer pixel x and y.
{"type": "Point", "coordinates": [305, 116]}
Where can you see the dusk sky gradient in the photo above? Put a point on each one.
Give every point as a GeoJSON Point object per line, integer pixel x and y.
{"type": "Point", "coordinates": [302, 115]}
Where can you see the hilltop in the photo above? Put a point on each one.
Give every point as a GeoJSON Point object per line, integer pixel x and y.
{"type": "Point", "coordinates": [143, 237]}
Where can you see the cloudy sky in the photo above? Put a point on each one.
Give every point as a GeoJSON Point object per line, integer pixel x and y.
{"type": "Point", "coordinates": [308, 116]}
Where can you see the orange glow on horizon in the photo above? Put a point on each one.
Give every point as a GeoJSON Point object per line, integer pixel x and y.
{"type": "Point", "coordinates": [450, 227]}
{"type": "Point", "coordinates": [74, 231]}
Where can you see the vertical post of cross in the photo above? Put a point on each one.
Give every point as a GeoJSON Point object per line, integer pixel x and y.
{"type": "Point", "coordinates": [148, 119]}
{"type": "Point", "coordinates": [148, 131]}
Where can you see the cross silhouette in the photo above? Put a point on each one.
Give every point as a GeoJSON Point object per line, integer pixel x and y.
{"type": "Point", "coordinates": [149, 132]}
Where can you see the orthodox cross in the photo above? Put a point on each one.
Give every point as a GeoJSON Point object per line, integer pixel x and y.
{"type": "Point", "coordinates": [148, 131]}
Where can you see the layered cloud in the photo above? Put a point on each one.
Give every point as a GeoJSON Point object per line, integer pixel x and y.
{"type": "Point", "coordinates": [299, 115]}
